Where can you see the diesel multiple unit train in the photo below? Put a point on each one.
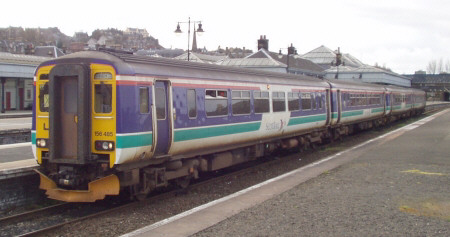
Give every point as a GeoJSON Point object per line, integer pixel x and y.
{"type": "Point", "coordinates": [107, 122]}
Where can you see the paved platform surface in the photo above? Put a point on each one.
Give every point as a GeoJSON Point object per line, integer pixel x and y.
{"type": "Point", "coordinates": [15, 123]}
{"type": "Point", "coordinates": [395, 185]}
{"type": "Point", "coordinates": [15, 152]}
{"type": "Point", "coordinates": [16, 160]}
{"type": "Point", "coordinates": [16, 114]}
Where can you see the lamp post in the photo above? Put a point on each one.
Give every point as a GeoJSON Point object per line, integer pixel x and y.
{"type": "Point", "coordinates": [338, 62]}
{"type": "Point", "coordinates": [199, 30]}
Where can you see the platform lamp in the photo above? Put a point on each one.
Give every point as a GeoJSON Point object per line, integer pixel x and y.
{"type": "Point", "coordinates": [199, 30]}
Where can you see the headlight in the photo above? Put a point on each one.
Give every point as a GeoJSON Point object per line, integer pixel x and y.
{"type": "Point", "coordinates": [104, 145]}
{"type": "Point", "coordinates": [42, 143]}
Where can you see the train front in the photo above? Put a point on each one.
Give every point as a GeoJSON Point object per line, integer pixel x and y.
{"type": "Point", "coordinates": [73, 135]}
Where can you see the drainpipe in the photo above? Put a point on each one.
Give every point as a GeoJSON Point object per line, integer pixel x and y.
{"type": "Point", "coordinates": [3, 94]}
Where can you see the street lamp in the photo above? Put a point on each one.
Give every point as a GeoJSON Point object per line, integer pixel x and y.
{"type": "Point", "coordinates": [199, 30]}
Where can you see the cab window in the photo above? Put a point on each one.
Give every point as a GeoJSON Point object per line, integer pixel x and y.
{"type": "Point", "coordinates": [103, 98]}
{"type": "Point", "coordinates": [44, 103]}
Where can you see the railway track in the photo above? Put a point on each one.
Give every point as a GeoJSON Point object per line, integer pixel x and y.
{"type": "Point", "coordinates": [46, 220]}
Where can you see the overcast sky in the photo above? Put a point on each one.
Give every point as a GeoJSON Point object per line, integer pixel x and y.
{"type": "Point", "coordinates": [404, 35]}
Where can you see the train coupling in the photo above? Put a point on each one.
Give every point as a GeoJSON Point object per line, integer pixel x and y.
{"type": "Point", "coordinates": [97, 189]}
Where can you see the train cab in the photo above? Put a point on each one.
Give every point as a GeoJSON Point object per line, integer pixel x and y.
{"type": "Point", "coordinates": [74, 127]}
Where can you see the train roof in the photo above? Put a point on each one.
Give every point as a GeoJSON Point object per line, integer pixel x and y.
{"type": "Point", "coordinates": [355, 85]}
{"type": "Point", "coordinates": [403, 89]}
{"type": "Point", "coordinates": [129, 64]}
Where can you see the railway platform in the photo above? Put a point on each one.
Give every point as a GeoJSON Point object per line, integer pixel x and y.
{"type": "Point", "coordinates": [16, 114]}
{"type": "Point", "coordinates": [16, 160]}
{"type": "Point", "coordinates": [393, 185]}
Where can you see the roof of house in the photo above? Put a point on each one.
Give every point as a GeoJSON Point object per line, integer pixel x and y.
{"type": "Point", "coordinates": [48, 51]}
{"type": "Point", "coordinates": [202, 58]}
{"type": "Point", "coordinates": [21, 59]}
{"type": "Point", "coordinates": [264, 58]}
{"type": "Point", "coordinates": [325, 57]}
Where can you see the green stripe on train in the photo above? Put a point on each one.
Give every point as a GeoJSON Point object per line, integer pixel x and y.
{"type": "Point", "coordinates": [352, 113]}
{"type": "Point", "coordinates": [309, 119]}
{"type": "Point", "coordinates": [377, 110]}
{"type": "Point", "coordinates": [199, 133]}
{"type": "Point", "coordinates": [347, 114]}
{"type": "Point", "coordinates": [33, 138]}
{"type": "Point", "coordinates": [137, 140]}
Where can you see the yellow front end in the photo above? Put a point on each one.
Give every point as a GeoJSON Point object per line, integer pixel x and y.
{"type": "Point", "coordinates": [42, 112]}
{"type": "Point", "coordinates": [102, 133]}
{"type": "Point", "coordinates": [103, 81]}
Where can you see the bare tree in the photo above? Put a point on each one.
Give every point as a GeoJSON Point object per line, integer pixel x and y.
{"type": "Point", "coordinates": [440, 66]}
{"type": "Point", "coordinates": [431, 68]}
{"type": "Point", "coordinates": [447, 66]}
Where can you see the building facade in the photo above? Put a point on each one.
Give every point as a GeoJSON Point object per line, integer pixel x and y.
{"type": "Point", "coordinates": [16, 80]}
{"type": "Point", "coordinates": [437, 86]}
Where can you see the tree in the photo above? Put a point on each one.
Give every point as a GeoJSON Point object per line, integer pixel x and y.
{"type": "Point", "coordinates": [440, 66]}
{"type": "Point", "coordinates": [431, 68]}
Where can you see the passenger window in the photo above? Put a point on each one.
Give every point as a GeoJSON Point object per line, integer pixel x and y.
{"type": "Point", "coordinates": [306, 101]}
{"type": "Point", "coordinates": [261, 101]}
{"type": "Point", "coordinates": [160, 103]}
{"type": "Point", "coordinates": [192, 104]}
{"type": "Point", "coordinates": [240, 102]}
{"type": "Point", "coordinates": [103, 98]}
{"type": "Point", "coordinates": [278, 102]}
{"type": "Point", "coordinates": [216, 102]}
{"type": "Point", "coordinates": [313, 100]}
{"type": "Point", "coordinates": [319, 100]}
{"type": "Point", "coordinates": [44, 103]}
{"type": "Point", "coordinates": [293, 101]}
{"type": "Point", "coordinates": [144, 100]}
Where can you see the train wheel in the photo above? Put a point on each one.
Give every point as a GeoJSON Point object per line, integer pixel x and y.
{"type": "Point", "coordinates": [183, 182]}
{"type": "Point", "coordinates": [140, 193]}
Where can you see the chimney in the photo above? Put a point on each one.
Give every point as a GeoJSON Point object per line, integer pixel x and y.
{"type": "Point", "coordinates": [291, 50]}
{"type": "Point", "coordinates": [338, 57]}
{"type": "Point", "coordinates": [263, 43]}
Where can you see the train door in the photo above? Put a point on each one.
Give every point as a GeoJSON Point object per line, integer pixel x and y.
{"type": "Point", "coordinates": [68, 113]}
{"type": "Point", "coordinates": [328, 107]}
{"type": "Point", "coordinates": [163, 123]}
{"type": "Point", "coordinates": [339, 105]}
{"type": "Point", "coordinates": [20, 99]}
{"type": "Point", "coordinates": [8, 100]}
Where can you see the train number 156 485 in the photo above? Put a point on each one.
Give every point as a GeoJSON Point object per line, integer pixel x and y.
{"type": "Point", "coordinates": [103, 134]}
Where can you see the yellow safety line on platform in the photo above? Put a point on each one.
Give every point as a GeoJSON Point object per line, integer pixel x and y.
{"type": "Point", "coordinates": [415, 171]}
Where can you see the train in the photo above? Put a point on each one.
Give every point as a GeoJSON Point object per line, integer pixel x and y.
{"type": "Point", "coordinates": [110, 122]}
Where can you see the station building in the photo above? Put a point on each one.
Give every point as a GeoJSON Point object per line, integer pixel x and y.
{"type": "Point", "coordinates": [346, 67]}
{"type": "Point", "coordinates": [437, 86]}
{"type": "Point", "coordinates": [16, 77]}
